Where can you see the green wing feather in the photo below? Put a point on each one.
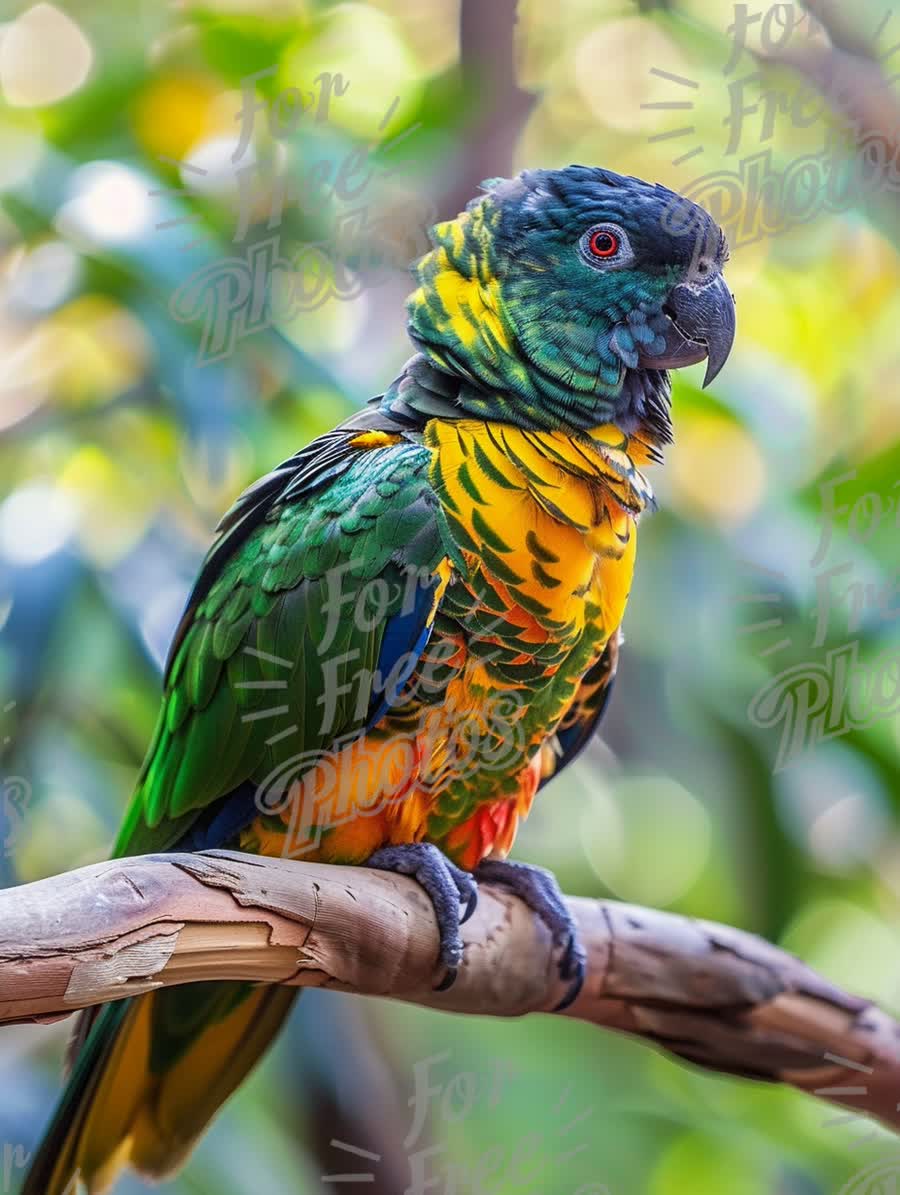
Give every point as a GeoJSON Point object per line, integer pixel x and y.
{"type": "Point", "coordinates": [262, 646]}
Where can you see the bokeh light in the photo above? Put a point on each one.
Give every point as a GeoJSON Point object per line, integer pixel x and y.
{"type": "Point", "coordinates": [44, 57]}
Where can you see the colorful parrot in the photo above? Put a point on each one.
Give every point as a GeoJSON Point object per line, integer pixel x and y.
{"type": "Point", "coordinates": [402, 632]}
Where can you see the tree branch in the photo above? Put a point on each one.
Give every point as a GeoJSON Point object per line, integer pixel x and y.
{"type": "Point", "coordinates": [489, 75]}
{"type": "Point", "coordinates": [713, 995]}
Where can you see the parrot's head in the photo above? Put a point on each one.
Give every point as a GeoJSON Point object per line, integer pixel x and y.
{"type": "Point", "coordinates": [566, 295]}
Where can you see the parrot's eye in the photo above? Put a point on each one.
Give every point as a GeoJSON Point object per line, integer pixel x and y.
{"type": "Point", "coordinates": [605, 244]}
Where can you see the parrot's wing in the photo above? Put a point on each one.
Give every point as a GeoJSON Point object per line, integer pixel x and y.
{"type": "Point", "coordinates": [309, 614]}
{"type": "Point", "coordinates": [583, 716]}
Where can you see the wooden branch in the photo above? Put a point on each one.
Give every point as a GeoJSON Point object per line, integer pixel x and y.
{"type": "Point", "coordinates": [715, 996]}
{"type": "Point", "coordinates": [487, 47]}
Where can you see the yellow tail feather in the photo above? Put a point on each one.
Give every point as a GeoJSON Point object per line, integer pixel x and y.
{"type": "Point", "coordinates": [126, 1104]}
{"type": "Point", "coordinates": [190, 1094]}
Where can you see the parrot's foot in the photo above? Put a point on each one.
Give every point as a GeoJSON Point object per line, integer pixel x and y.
{"type": "Point", "coordinates": [540, 891]}
{"type": "Point", "coordinates": [447, 885]}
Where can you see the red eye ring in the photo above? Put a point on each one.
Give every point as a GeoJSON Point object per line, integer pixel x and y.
{"type": "Point", "coordinates": [603, 243]}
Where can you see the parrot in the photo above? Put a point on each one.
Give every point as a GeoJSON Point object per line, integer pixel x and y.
{"type": "Point", "coordinates": [407, 628]}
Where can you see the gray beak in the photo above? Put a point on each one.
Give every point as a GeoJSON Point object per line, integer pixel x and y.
{"type": "Point", "coordinates": [701, 324]}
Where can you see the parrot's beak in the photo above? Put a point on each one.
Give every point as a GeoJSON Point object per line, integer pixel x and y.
{"type": "Point", "coordinates": [701, 325]}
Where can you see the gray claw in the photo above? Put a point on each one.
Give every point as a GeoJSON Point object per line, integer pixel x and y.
{"type": "Point", "coordinates": [447, 886]}
{"type": "Point", "coordinates": [539, 890]}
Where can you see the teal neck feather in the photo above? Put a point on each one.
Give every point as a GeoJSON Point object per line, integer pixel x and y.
{"type": "Point", "coordinates": [520, 361]}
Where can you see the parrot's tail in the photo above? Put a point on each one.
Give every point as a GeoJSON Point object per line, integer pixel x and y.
{"type": "Point", "coordinates": [151, 1073]}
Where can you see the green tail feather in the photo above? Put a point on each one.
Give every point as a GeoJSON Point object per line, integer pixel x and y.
{"type": "Point", "coordinates": [53, 1169]}
{"type": "Point", "coordinates": [151, 1074]}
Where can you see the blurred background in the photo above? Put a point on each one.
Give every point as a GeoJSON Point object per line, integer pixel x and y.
{"type": "Point", "coordinates": [154, 159]}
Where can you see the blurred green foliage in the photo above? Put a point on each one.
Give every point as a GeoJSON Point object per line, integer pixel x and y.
{"type": "Point", "coordinates": [118, 452]}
